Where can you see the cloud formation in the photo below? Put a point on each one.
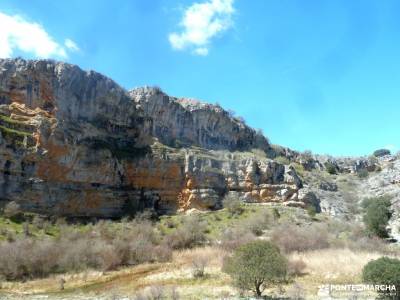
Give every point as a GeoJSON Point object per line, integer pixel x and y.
{"type": "Point", "coordinates": [200, 24]}
{"type": "Point", "coordinates": [71, 45]}
{"type": "Point", "coordinates": [16, 33]}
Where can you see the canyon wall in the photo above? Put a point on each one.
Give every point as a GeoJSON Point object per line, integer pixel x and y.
{"type": "Point", "coordinates": [74, 143]}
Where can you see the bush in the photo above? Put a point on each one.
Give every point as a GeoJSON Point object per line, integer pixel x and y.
{"type": "Point", "coordinates": [101, 247]}
{"type": "Point", "coordinates": [233, 205]}
{"type": "Point", "coordinates": [199, 265]}
{"type": "Point", "coordinates": [190, 234]}
{"type": "Point", "coordinates": [331, 168]}
{"type": "Point", "coordinates": [257, 224]}
{"type": "Point", "coordinates": [381, 152]}
{"type": "Point", "coordinates": [291, 238]}
{"type": "Point", "coordinates": [383, 271]}
{"type": "Point", "coordinates": [296, 267]}
{"type": "Point", "coordinates": [283, 160]}
{"type": "Point", "coordinates": [12, 210]}
{"type": "Point", "coordinates": [377, 214]}
{"type": "Point", "coordinates": [233, 238]}
{"type": "Point", "coordinates": [363, 173]}
{"type": "Point", "coordinates": [256, 265]}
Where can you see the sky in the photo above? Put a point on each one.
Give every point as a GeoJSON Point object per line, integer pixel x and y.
{"type": "Point", "coordinates": [313, 75]}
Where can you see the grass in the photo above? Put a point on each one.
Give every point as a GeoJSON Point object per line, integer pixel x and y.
{"type": "Point", "coordinates": [13, 132]}
{"type": "Point", "coordinates": [7, 119]}
{"type": "Point", "coordinates": [16, 132]}
{"type": "Point", "coordinates": [11, 124]}
{"type": "Point", "coordinates": [333, 266]}
{"type": "Point", "coordinates": [50, 228]}
{"type": "Point", "coordinates": [219, 220]}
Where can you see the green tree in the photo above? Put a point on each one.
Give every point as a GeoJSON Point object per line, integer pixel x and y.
{"type": "Point", "coordinates": [377, 214]}
{"type": "Point", "coordinates": [384, 271]}
{"type": "Point", "coordinates": [255, 265]}
{"type": "Point", "coordinates": [331, 168]}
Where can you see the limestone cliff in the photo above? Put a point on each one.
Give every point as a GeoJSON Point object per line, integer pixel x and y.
{"type": "Point", "coordinates": [187, 122]}
{"type": "Point", "coordinates": [74, 143]}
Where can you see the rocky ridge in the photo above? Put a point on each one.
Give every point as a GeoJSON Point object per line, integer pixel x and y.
{"type": "Point", "coordinates": [74, 143]}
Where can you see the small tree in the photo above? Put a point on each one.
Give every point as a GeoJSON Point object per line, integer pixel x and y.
{"type": "Point", "coordinates": [381, 152]}
{"type": "Point", "coordinates": [384, 271]}
{"type": "Point", "coordinates": [256, 265]}
{"type": "Point", "coordinates": [377, 214]}
{"type": "Point", "coordinates": [331, 168]}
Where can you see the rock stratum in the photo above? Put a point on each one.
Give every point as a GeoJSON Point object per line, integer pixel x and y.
{"type": "Point", "coordinates": [74, 143]}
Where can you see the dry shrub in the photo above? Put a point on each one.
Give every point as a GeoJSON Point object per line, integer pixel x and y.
{"type": "Point", "coordinates": [296, 292]}
{"type": "Point", "coordinates": [292, 238]}
{"type": "Point", "coordinates": [337, 265]}
{"type": "Point", "coordinates": [74, 250]}
{"type": "Point", "coordinates": [215, 255]}
{"type": "Point", "coordinates": [38, 222]}
{"type": "Point", "coordinates": [155, 292]}
{"type": "Point", "coordinates": [296, 267]}
{"type": "Point", "coordinates": [234, 237]}
{"type": "Point", "coordinates": [12, 210]}
{"type": "Point", "coordinates": [191, 233]}
{"type": "Point", "coordinates": [233, 204]}
{"type": "Point", "coordinates": [370, 244]}
{"type": "Point", "coordinates": [258, 223]}
{"type": "Point", "coordinates": [199, 265]}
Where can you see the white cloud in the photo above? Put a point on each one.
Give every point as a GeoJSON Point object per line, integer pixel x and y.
{"type": "Point", "coordinates": [71, 45]}
{"type": "Point", "coordinates": [201, 51]}
{"type": "Point", "coordinates": [16, 33]}
{"type": "Point", "coordinates": [202, 22]}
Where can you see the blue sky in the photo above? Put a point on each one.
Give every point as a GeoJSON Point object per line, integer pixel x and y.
{"type": "Point", "coordinates": [314, 75]}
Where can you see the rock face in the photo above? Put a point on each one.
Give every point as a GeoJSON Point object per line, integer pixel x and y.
{"type": "Point", "coordinates": [187, 122]}
{"type": "Point", "coordinates": [74, 143]}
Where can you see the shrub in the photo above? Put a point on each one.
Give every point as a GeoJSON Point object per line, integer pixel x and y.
{"type": "Point", "coordinates": [12, 210]}
{"type": "Point", "coordinates": [296, 292]}
{"type": "Point", "coordinates": [363, 173]}
{"type": "Point", "coordinates": [383, 271]}
{"type": "Point", "coordinates": [292, 238]}
{"type": "Point", "coordinates": [276, 214]}
{"type": "Point", "coordinates": [102, 247]}
{"type": "Point", "coordinates": [190, 234]}
{"type": "Point", "coordinates": [311, 210]}
{"type": "Point", "coordinates": [370, 244]}
{"type": "Point", "coordinates": [257, 224]}
{"type": "Point", "coordinates": [233, 205]}
{"type": "Point", "coordinates": [38, 222]}
{"type": "Point", "coordinates": [283, 160]}
{"type": "Point", "coordinates": [377, 214]}
{"type": "Point", "coordinates": [381, 152]}
{"type": "Point", "coordinates": [256, 265]}
{"type": "Point", "coordinates": [296, 267]}
{"type": "Point", "coordinates": [199, 265]}
{"type": "Point", "coordinates": [233, 238]}
{"type": "Point", "coordinates": [299, 168]}
{"type": "Point", "coordinates": [331, 168]}
{"type": "Point", "coordinates": [156, 292]}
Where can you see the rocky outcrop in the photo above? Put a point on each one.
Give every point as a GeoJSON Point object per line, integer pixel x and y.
{"type": "Point", "coordinates": [186, 122]}
{"type": "Point", "coordinates": [74, 143]}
